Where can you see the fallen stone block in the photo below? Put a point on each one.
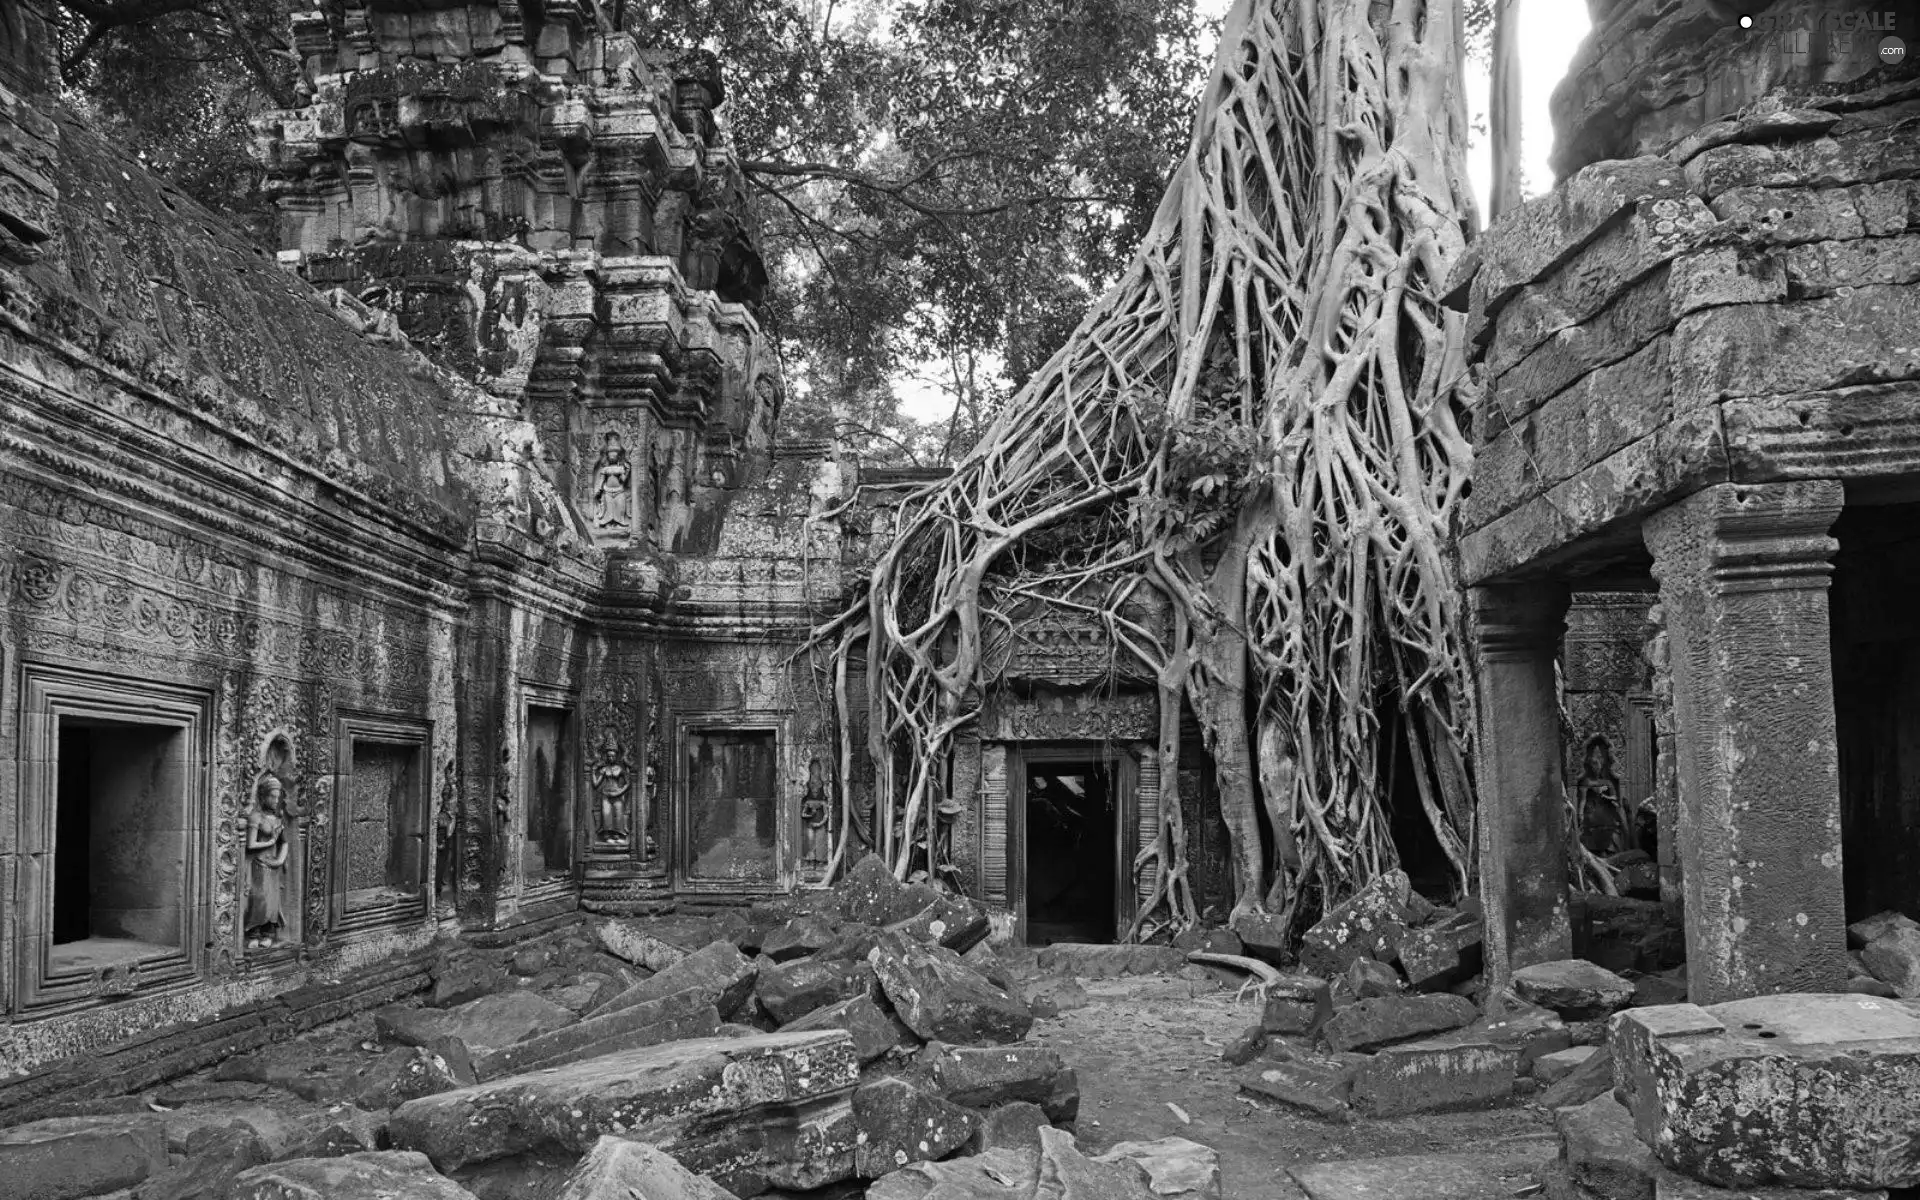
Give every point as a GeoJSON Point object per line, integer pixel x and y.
{"type": "Point", "coordinates": [1011, 1126]}
{"type": "Point", "coordinates": [81, 1156]}
{"type": "Point", "coordinates": [1863, 985]}
{"type": "Point", "coordinates": [1368, 979]}
{"type": "Point", "coordinates": [805, 934]}
{"type": "Point", "coordinates": [1321, 1089]}
{"type": "Point", "coordinates": [655, 943]}
{"type": "Point", "coordinates": [872, 895]}
{"type": "Point", "coordinates": [989, 1076]}
{"type": "Point", "coordinates": [678, 1015]}
{"type": "Point", "coordinates": [1213, 941]}
{"type": "Point", "coordinates": [1802, 1090]}
{"type": "Point", "coordinates": [1296, 1005]}
{"type": "Point", "coordinates": [1552, 1068]}
{"type": "Point", "coordinates": [1368, 924]}
{"type": "Point", "coordinates": [376, 1175]}
{"type": "Point", "coordinates": [1894, 959]}
{"type": "Point", "coordinates": [791, 990]}
{"type": "Point", "coordinates": [404, 1074]}
{"type": "Point", "coordinates": [851, 943]}
{"type": "Point", "coordinates": [1368, 1025]}
{"type": "Point", "coordinates": [1511, 1170]}
{"type": "Point", "coordinates": [1264, 936]}
{"type": "Point", "coordinates": [484, 1025]}
{"type": "Point", "coordinates": [940, 997]}
{"type": "Point", "coordinates": [873, 1032]}
{"type": "Point", "coordinates": [1066, 1172]}
{"type": "Point", "coordinates": [995, 967]}
{"type": "Point", "coordinates": [1667, 1185]}
{"type": "Point", "coordinates": [214, 1156]}
{"type": "Point", "coordinates": [751, 1112]}
{"type": "Point", "coordinates": [1576, 989]}
{"type": "Point", "coordinates": [345, 1130]}
{"type": "Point", "coordinates": [1174, 1166]}
{"type": "Point", "coordinates": [1451, 1073]}
{"type": "Point", "coordinates": [947, 921]}
{"type": "Point", "coordinates": [619, 1169]}
{"type": "Point", "coordinates": [460, 980]}
{"type": "Point", "coordinates": [1863, 933]}
{"type": "Point", "coordinates": [1528, 1028]}
{"type": "Point", "coordinates": [993, 1175]}
{"type": "Point", "coordinates": [1442, 954]}
{"type": "Point", "coordinates": [717, 972]}
{"type": "Point", "coordinates": [896, 1123]}
{"type": "Point", "coordinates": [1602, 1152]}
{"type": "Point", "coordinates": [1589, 1078]}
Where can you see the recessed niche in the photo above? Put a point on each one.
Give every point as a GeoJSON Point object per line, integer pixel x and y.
{"type": "Point", "coordinates": [380, 828]}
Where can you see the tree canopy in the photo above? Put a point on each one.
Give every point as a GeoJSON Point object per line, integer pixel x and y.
{"type": "Point", "coordinates": [943, 185]}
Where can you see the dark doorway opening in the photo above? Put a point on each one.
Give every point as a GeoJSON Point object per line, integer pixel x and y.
{"type": "Point", "coordinates": [1876, 701]}
{"type": "Point", "coordinates": [547, 850]}
{"type": "Point", "coordinates": [1421, 855]}
{"type": "Point", "coordinates": [733, 806]}
{"type": "Point", "coordinates": [120, 848]}
{"type": "Point", "coordinates": [1072, 829]}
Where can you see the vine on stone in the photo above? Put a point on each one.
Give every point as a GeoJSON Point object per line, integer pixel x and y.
{"type": "Point", "coordinates": [1244, 466]}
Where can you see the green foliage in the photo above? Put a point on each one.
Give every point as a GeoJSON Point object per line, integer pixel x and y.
{"type": "Point", "coordinates": [943, 185]}
{"type": "Point", "coordinates": [176, 82]}
{"type": "Point", "coordinates": [945, 182]}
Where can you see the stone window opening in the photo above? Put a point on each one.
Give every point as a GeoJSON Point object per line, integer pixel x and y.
{"type": "Point", "coordinates": [119, 887]}
{"type": "Point", "coordinates": [734, 829]}
{"type": "Point", "coordinates": [115, 838]}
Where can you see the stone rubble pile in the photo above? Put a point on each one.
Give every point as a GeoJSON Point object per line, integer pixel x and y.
{"type": "Point", "coordinates": [827, 1040]}
{"type": "Point", "coordinates": [1388, 1015]}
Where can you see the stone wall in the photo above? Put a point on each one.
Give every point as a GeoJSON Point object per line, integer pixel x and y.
{"type": "Point", "coordinates": [1730, 305]}
{"type": "Point", "coordinates": [493, 434]}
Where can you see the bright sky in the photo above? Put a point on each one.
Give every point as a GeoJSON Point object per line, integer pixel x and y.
{"type": "Point", "coordinates": [1550, 31]}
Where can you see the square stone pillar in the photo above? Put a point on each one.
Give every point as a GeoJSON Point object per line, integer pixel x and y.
{"type": "Point", "coordinates": [1743, 572]}
{"type": "Point", "coordinates": [1521, 775]}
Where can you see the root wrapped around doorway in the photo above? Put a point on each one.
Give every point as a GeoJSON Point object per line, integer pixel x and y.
{"type": "Point", "coordinates": [1243, 467]}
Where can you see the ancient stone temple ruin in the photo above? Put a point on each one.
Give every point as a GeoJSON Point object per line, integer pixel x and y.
{"type": "Point", "coordinates": [1701, 372]}
{"type": "Point", "coordinates": [438, 573]}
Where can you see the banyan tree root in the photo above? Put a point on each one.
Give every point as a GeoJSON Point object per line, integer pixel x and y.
{"type": "Point", "coordinates": [1243, 465]}
{"type": "Point", "coordinates": [1264, 976]}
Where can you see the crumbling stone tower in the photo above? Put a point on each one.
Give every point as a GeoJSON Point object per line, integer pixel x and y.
{"type": "Point", "coordinates": [439, 577]}
{"type": "Point", "coordinates": [1701, 373]}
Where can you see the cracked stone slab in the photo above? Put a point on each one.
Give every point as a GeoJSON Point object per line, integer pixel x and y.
{"type": "Point", "coordinates": [1805, 1090]}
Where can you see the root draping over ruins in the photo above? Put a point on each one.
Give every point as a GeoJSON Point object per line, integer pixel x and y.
{"type": "Point", "coordinates": [1242, 466]}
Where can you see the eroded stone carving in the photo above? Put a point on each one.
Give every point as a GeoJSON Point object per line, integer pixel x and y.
{"type": "Point", "coordinates": [1603, 816]}
{"type": "Point", "coordinates": [816, 820]}
{"type": "Point", "coordinates": [612, 781]}
{"type": "Point", "coordinates": [613, 487]}
{"type": "Point", "coordinates": [269, 846]}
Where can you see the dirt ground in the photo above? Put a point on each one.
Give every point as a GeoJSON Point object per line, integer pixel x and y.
{"type": "Point", "coordinates": [1146, 1043]}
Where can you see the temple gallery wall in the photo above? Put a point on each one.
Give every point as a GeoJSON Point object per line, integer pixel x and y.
{"type": "Point", "coordinates": [444, 574]}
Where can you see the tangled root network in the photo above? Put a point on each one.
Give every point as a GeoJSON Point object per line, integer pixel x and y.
{"type": "Point", "coordinates": [1242, 467]}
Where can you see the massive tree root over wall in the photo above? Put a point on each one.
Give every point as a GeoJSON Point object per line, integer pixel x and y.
{"type": "Point", "coordinates": [1244, 463]}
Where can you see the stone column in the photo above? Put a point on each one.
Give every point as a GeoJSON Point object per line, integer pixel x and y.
{"type": "Point", "coordinates": [1521, 775]}
{"type": "Point", "coordinates": [1743, 574]}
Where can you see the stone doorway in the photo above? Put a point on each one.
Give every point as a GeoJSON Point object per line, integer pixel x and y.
{"type": "Point", "coordinates": [732, 816]}
{"type": "Point", "coordinates": [1070, 840]}
{"type": "Point", "coordinates": [547, 850]}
